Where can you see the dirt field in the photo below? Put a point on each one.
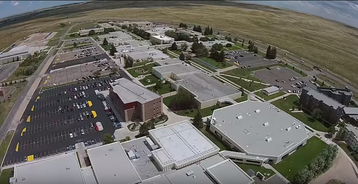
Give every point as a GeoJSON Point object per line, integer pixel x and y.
{"type": "Point", "coordinates": [324, 42]}
{"type": "Point", "coordinates": [341, 170]}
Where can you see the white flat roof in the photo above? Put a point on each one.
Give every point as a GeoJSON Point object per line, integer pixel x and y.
{"type": "Point", "coordinates": [197, 176]}
{"type": "Point", "coordinates": [169, 61]}
{"type": "Point", "coordinates": [162, 37]}
{"type": "Point", "coordinates": [88, 175]}
{"type": "Point", "coordinates": [259, 128]}
{"type": "Point", "coordinates": [271, 89]}
{"type": "Point", "coordinates": [181, 143]}
{"type": "Point", "coordinates": [129, 91]}
{"type": "Point", "coordinates": [151, 53]}
{"type": "Point", "coordinates": [228, 172]}
{"type": "Point", "coordinates": [56, 170]}
{"type": "Point", "coordinates": [178, 69]}
{"type": "Point", "coordinates": [112, 165]}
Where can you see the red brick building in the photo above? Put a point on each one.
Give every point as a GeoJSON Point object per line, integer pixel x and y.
{"type": "Point", "coordinates": [134, 102]}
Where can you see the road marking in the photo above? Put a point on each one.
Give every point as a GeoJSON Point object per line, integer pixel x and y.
{"type": "Point", "coordinates": [17, 147]}
{"type": "Point", "coordinates": [28, 119]}
{"type": "Point", "coordinates": [33, 108]}
{"type": "Point", "coordinates": [23, 131]}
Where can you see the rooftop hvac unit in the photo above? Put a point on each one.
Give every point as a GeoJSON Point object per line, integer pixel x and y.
{"type": "Point", "coordinates": [288, 129]}
{"type": "Point", "coordinates": [269, 139]}
{"type": "Point", "coordinates": [266, 124]}
{"type": "Point", "coordinates": [239, 117]}
{"type": "Point", "coordinates": [257, 111]}
{"type": "Point", "coordinates": [190, 173]}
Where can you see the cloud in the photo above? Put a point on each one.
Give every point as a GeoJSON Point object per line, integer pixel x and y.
{"type": "Point", "coordinates": [1, 2]}
{"type": "Point", "coordinates": [15, 3]}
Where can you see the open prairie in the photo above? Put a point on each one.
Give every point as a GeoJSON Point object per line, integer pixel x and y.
{"type": "Point", "coordinates": [326, 43]}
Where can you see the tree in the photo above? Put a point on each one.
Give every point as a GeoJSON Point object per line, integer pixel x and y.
{"type": "Point", "coordinates": [332, 130]}
{"type": "Point", "coordinates": [236, 39]}
{"type": "Point", "coordinates": [182, 57]}
{"type": "Point", "coordinates": [62, 24]}
{"type": "Point", "coordinates": [17, 58]}
{"type": "Point", "coordinates": [183, 47]}
{"type": "Point", "coordinates": [182, 25]}
{"type": "Point", "coordinates": [127, 62]}
{"type": "Point", "coordinates": [107, 139]}
{"type": "Point", "coordinates": [144, 129]}
{"type": "Point", "coordinates": [221, 57]}
{"type": "Point", "coordinates": [174, 46]}
{"type": "Point", "coordinates": [97, 73]}
{"type": "Point", "coordinates": [182, 100]}
{"type": "Point", "coordinates": [198, 120]}
{"type": "Point", "coordinates": [322, 83]}
{"type": "Point", "coordinates": [229, 39]}
{"type": "Point", "coordinates": [242, 91]}
{"type": "Point", "coordinates": [251, 46]}
{"type": "Point", "coordinates": [317, 113]}
{"type": "Point", "coordinates": [74, 44]}
{"type": "Point", "coordinates": [112, 50]}
{"type": "Point", "coordinates": [92, 32]}
{"type": "Point", "coordinates": [105, 42]}
{"type": "Point", "coordinates": [158, 85]}
{"type": "Point", "coordinates": [256, 50]}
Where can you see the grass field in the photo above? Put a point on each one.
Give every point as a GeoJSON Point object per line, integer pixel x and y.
{"type": "Point", "coordinates": [329, 81]}
{"type": "Point", "coordinates": [215, 63]}
{"type": "Point", "coordinates": [83, 26]}
{"type": "Point", "coordinates": [312, 38]}
{"type": "Point", "coordinates": [244, 73]}
{"type": "Point", "coordinates": [303, 74]}
{"type": "Point", "coordinates": [5, 176]}
{"type": "Point", "coordinates": [166, 88]}
{"type": "Point", "coordinates": [6, 106]}
{"type": "Point", "coordinates": [241, 99]}
{"type": "Point", "coordinates": [143, 70]}
{"type": "Point", "coordinates": [150, 79]}
{"type": "Point", "coordinates": [267, 172]}
{"type": "Point", "coordinates": [291, 101]}
{"type": "Point", "coordinates": [210, 69]}
{"type": "Point", "coordinates": [4, 144]}
{"type": "Point", "coordinates": [265, 97]}
{"type": "Point", "coordinates": [251, 86]}
{"type": "Point", "coordinates": [301, 158]}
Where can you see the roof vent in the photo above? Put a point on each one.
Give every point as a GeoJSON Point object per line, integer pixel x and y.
{"type": "Point", "coordinates": [269, 139]}
{"type": "Point", "coordinates": [257, 110]}
{"type": "Point", "coordinates": [190, 173]}
{"type": "Point", "coordinates": [297, 127]}
{"type": "Point", "coordinates": [239, 117]}
{"type": "Point", "coordinates": [288, 129]}
{"type": "Point", "coordinates": [266, 124]}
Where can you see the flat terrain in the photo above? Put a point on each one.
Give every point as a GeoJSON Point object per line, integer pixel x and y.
{"type": "Point", "coordinates": [329, 44]}
{"type": "Point", "coordinates": [289, 166]}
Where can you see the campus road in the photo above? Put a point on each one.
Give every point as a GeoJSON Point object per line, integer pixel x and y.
{"type": "Point", "coordinates": [17, 110]}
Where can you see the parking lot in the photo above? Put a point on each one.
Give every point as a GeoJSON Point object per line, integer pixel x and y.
{"type": "Point", "coordinates": [78, 72]}
{"type": "Point", "coordinates": [245, 59]}
{"type": "Point", "coordinates": [78, 52]}
{"type": "Point", "coordinates": [283, 77]}
{"type": "Point", "coordinates": [56, 119]}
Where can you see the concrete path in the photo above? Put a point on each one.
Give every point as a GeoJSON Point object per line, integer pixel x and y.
{"type": "Point", "coordinates": [227, 69]}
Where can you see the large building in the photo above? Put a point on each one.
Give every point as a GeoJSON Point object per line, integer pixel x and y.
{"type": "Point", "coordinates": [181, 145]}
{"type": "Point", "coordinates": [135, 102]}
{"type": "Point", "coordinates": [342, 96]}
{"type": "Point", "coordinates": [205, 89]}
{"type": "Point", "coordinates": [351, 115]}
{"type": "Point", "coordinates": [258, 129]}
{"type": "Point", "coordinates": [331, 109]}
{"type": "Point", "coordinates": [13, 56]}
{"type": "Point", "coordinates": [145, 55]}
{"type": "Point", "coordinates": [192, 159]}
{"type": "Point", "coordinates": [161, 39]}
{"type": "Point", "coordinates": [351, 136]}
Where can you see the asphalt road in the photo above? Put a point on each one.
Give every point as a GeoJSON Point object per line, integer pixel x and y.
{"type": "Point", "coordinates": [7, 69]}
{"type": "Point", "coordinates": [48, 131]}
{"type": "Point", "coordinates": [11, 116]}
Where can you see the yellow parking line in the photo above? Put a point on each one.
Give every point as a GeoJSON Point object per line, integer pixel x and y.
{"type": "Point", "coordinates": [17, 147]}
{"type": "Point", "coordinates": [28, 119]}
{"type": "Point", "coordinates": [23, 131]}
{"type": "Point", "coordinates": [38, 98]}
{"type": "Point", "coordinates": [33, 108]}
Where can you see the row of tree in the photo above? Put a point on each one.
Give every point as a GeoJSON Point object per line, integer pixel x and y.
{"type": "Point", "coordinates": [252, 47]}
{"type": "Point", "coordinates": [217, 53]}
{"type": "Point", "coordinates": [199, 49]}
{"type": "Point", "coordinates": [141, 33]}
{"type": "Point", "coordinates": [208, 31]}
{"type": "Point", "coordinates": [197, 29]}
{"type": "Point", "coordinates": [317, 166]}
{"type": "Point", "coordinates": [182, 25]}
{"type": "Point", "coordinates": [271, 52]}
{"type": "Point", "coordinates": [182, 100]}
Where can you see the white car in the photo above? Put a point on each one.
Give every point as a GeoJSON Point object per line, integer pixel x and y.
{"type": "Point", "coordinates": [289, 91]}
{"type": "Point", "coordinates": [71, 135]}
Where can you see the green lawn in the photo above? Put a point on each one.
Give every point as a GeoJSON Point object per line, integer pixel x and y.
{"type": "Point", "coordinates": [234, 47]}
{"type": "Point", "coordinates": [241, 99]}
{"type": "Point", "coordinates": [166, 88]}
{"type": "Point", "coordinates": [106, 47]}
{"type": "Point", "coordinates": [267, 172]}
{"type": "Point", "coordinates": [4, 145]}
{"type": "Point", "coordinates": [215, 63]}
{"type": "Point", "coordinates": [244, 73]}
{"type": "Point", "coordinates": [301, 158]}
{"type": "Point", "coordinates": [214, 139]}
{"type": "Point", "coordinates": [210, 69]}
{"type": "Point", "coordinates": [6, 106]}
{"type": "Point", "coordinates": [265, 97]}
{"type": "Point", "coordinates": [83, 26]}
{"type": "Point", "coordinates": [292, 101]}
{"type": "Point", "coordinates": [147, 69]}
{"type": "Point", "coordinates": [251, 86]}
{"type": "Point", "coordinates": [6, 174]}
{"type": "Point", "coordinates": [150, 79]}
{"type": "Point", "coordinates": [53, 42]}
{"type": "Point", "coordinates": [329, 81]}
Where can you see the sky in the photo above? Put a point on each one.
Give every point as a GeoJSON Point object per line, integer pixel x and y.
{"type": "Point", "coordinates": [342, 11]}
